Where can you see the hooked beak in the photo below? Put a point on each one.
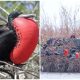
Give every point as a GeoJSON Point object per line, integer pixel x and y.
{"type": "Point", "coordinates": [27, 15]}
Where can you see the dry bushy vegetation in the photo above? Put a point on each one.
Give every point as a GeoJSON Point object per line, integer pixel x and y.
{"type": "Point", "coordinates": [68, 25]}
{"type": "Point", "coordinates": [59, 63]}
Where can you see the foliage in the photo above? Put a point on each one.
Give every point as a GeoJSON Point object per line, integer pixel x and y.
{"type": "Point", "coordinates": [55, 39]}
{"type": "Point", "coordinates": [27, 7]}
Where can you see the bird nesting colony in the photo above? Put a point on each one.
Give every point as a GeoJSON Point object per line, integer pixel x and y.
{"type": "Point", "coordinates": [61, 55]}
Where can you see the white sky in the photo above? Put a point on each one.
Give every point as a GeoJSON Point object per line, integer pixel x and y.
{"type": "Point", "coordinates": [52, 8]}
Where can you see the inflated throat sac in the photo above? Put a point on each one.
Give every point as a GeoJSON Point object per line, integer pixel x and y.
{"type": "Point", "coordinates": [27, 38]}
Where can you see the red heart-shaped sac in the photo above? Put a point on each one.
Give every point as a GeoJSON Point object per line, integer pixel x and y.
{"type": "Point", "coordinates": [27, 38]}
{"type": "Point", "coordinates": [66, 52]}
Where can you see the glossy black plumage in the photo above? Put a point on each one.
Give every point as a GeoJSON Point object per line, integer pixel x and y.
{"type": "Point", "coordinates": [7, 43]}
{"type": "Point", "coordinates": [12, 16]}
{"type": "Point", "coordinates": [8, 38]}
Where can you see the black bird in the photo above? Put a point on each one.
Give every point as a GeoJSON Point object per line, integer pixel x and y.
{"type": "Point", "coordinates": [8, 38]}
{"type": "Point", "coordinates": [12, 16]}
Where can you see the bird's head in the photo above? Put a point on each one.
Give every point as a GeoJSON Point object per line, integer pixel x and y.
{"type": "Point", "coordinates": [12, 16]}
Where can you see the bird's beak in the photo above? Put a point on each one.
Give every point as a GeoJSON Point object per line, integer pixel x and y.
{"type": "Point", "coordinates": [27, 15]}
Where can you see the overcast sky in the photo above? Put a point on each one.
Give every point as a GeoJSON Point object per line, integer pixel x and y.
{"type": "Point", "coordinates": [52, 8]}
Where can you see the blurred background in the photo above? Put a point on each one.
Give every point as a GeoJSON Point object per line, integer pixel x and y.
{"type": "Point", "coordinates": [27, 7]}
{"type": "Point", "coordinates": [60, 18]}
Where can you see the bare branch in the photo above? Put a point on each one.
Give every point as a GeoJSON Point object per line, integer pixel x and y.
{"type": "Point", "coordinates": [4, 10]}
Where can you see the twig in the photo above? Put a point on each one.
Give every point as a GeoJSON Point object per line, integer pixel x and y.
{"type": "Point", "coordinates": [4, 10]}
{"type": "Point", "coordinates": [3, 19]}
{"type": "Point", "coordinates": [28, 73]}
{"type": "Point", "coordinates": [17, 6]}
{"type": "Point", "coordinates": [17, 68]}
{"type": "Point", "coordinates": [33, 56]}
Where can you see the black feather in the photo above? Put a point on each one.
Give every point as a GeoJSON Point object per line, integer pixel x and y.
{"type": "Point", "coordinates": [8, 38]}
{"type": "Point", "coordinates": [7, 43]}
{"type": "Point", "coordinates": [11, 17]}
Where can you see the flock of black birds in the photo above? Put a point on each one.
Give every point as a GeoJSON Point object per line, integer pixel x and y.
{"type": "Point", "coordinates": [58, 46]}
{"type": "Point", "coordinates": [52, 55]}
